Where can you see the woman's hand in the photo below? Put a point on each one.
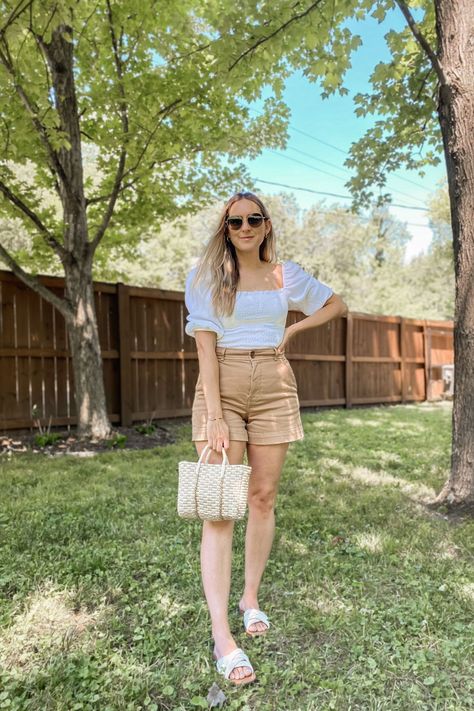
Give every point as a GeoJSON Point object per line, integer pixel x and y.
{"type": "Point", "coordinates": [217, 434]}
{"type": "Point", "coordinates": [286, 338]}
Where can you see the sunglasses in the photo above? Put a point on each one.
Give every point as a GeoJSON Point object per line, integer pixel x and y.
{"type": "Point", "coordinates": [235, 223]}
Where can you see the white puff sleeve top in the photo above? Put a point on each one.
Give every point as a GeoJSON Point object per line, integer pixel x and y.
{"type": "Point", "coordinates": [259, 317]}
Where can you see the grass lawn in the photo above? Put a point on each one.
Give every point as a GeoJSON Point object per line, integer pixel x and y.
{"type": "Point", "coordinates": [370, 594]}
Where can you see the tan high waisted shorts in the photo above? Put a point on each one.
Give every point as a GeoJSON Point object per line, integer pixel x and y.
{"type": "Point", "coordinates": [258, 395]}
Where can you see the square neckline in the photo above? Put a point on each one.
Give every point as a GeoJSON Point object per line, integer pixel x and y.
{"type": "Point", "coordinates": [264, 291]}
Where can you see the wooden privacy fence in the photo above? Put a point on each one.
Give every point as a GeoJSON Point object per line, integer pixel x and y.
{"type": "Point", "coordinates": [151, 366]}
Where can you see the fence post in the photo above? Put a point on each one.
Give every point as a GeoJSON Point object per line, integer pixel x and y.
{"type": "Point", "coordinates": [427, 355]}
{"type": "Point", "coordinates": [349, 341]}
{"type": "Point", "coordinates": [123, 294]}
{"type": "Point", "coordinates": [402, 360]}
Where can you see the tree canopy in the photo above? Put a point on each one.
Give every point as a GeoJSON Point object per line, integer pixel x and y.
{"type": "Point", "coordinates": [162, 91]}
{"type": "Point", "coordinates": [165, 130]}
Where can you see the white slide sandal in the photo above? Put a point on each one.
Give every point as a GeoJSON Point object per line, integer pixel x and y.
{"type": "Point", "coordinates": [251, 616]}
{"type": "Point", "coordinates": [226, 665]}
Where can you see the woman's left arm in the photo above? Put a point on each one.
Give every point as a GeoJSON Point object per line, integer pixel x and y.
{"type": "Point", "coordinates": [333, 308]}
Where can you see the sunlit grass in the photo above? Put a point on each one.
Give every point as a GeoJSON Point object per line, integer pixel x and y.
{"type": "Point", "coordinates": [370, 594]}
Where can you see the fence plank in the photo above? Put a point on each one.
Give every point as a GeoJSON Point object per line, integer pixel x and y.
{"type": "Point", "coordinates": [402, 348]}
{"type": "Point", "coordinates": [123, 295]}
{"type": "Point", "coordinates": [349, 359]}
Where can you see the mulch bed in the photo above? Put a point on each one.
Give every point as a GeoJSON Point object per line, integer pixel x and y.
{"type": "Point", "coordinates": [19, 441]}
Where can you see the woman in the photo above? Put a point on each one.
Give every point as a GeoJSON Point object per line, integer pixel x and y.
{"type": "Point", "coordinates": [246, 398]}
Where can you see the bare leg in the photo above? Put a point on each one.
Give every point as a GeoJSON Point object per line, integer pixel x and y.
{"type": "Point", "coordinates": [216, 559]}
{"type": "Point", "coordinates": [267, 463]}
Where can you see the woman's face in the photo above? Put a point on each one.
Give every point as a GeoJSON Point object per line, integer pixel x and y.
{"type": "Point", "coordinates": [247, 238]}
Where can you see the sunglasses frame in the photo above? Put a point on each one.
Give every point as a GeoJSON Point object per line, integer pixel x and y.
{"type": "Point", "coordinates": [254, 214]}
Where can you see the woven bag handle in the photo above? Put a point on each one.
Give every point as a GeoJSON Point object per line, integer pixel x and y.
{"type": "Point", "coordinates": [203, 453]}
{"type": "Point", "coordinates": [225, 462]}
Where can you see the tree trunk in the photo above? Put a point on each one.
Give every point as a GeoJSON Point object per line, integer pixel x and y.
{"type": "Point", "coordinates": [82, 323]}
{"type": "Point", "coordinates": [92, 418]}
{"type": "Point", "coordinates": [455, 27]}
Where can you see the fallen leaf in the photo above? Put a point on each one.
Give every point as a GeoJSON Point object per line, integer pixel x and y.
{"type": "Point", "coordinates": [216, 696]}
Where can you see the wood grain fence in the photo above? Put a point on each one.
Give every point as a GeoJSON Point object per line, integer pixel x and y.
{"type": "Point", "coordinates": [151, 366]}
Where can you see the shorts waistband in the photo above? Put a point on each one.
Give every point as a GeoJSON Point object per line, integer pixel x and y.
{"type": "Point", "coordinates": [251, 353]}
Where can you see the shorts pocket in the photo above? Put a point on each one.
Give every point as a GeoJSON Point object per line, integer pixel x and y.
{"type": "Point", "coordinates": [291, 374]}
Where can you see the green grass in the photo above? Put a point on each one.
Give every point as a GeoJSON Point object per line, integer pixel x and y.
{"type": "Point", "coordinates": [370, 594]}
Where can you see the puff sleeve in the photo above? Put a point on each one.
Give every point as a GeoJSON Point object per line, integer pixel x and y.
{"type": "Point", "coordinates": [201, 315]}
{"type": "Point", "coordinates": [305, 292]}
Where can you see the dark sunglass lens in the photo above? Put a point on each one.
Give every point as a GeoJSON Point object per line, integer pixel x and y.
{"type": "Point", "coordinates": [235, 223]}
{"type": "Point", "coordinates": [255, 220]}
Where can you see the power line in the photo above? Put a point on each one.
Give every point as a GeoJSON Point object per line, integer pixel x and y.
{"type": "Point", "coordinates": [313, 167]}
{"type": "Point", "coordinates": [320, 160]}
{"type": "Point", "coordinates": [345, 197]}
{"type": "Point", "coordinates": [336, 212]}
{"type": "Point", "coordinates": [344, 152]}
{"type": "Point", "coordinates": [344, 170]}
{"type": "Point", "coordinates": [340, 150]}
{"type": "Point", "coordinates": [306, 190]}
{"type": "Point", "coordinates": [318, 140]}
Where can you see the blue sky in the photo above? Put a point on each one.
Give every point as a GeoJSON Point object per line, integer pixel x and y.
{"type": "Point", "coordinates": [332, 121]}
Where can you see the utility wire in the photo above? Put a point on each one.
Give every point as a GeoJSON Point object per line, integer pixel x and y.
{"type": "Point", "coordinates": [313, 167]}
{"type": "Point", "coordinates": [348, 172]}
{"type": "Point", "coordinates": [320, 170]}
{"type": "Point", "coordinates": [341, 150]}
{"type": "Point", "coordinates": [320, 160]}
{"type": "Point", "coordinates": [360, 218]}
{"type": "Point", "coordinates": [345, 197]}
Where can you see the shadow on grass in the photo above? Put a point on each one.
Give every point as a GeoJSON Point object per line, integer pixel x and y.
{"type": "Point", "coordinates": [370, 599]}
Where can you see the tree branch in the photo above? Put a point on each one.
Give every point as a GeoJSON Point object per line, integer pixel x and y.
{"type": "Point", "coordinates": [125, 131]}
{"type": "Point", "coordinates": [50, 240]}
{"type": "Point", "coordinates": [295, 18]}
{"type": "Point", "coordinates": [33, 282]}
{"type": "Point", "coordinates": [193, 51]}
{"type": "Point", "coordinates": [423, 42]}
{"type": "Point", "coordinates": [32, 111]}
{"type": "Point", "coordinates": [131, 183]}
{"type": "Point", "coordinates": [163, 113]}
{"type": "Point", "coordinates": [15, 14]}
{"type": "Point", "coordinates": [166, 111]}
{"type": "Point", "coordinates": [86, 22]}
{"type": "Point", "coordinates": [46, 27]}
{"type": "Point", "coordinates": [423, 83]}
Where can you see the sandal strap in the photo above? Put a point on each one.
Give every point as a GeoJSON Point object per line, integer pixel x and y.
{"type": "Point", "coordinates": [237, 658]}
{"type": "Point", "coordinates": [251, 616]}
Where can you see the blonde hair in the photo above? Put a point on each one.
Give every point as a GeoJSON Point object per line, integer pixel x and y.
{"type": "Point", "coordinates": [219, 266]}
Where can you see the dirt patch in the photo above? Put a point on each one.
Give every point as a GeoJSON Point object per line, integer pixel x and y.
{"type": "Point", "coordinates": [165, 433]}
{"type": "Point", "coordinates": [454, 513]}
{"type": "Point", "coordinates": [47, 625]}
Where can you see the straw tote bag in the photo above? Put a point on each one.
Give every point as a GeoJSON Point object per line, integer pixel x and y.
{"type": "Point", "coordinates": [213, 492]}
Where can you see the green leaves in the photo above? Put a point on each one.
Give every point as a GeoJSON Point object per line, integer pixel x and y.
{"type": "Point", "coordinates": [168, 86]}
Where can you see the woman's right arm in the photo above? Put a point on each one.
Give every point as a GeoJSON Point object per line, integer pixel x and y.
{"type": "Point", "coordinates": [217, 429]}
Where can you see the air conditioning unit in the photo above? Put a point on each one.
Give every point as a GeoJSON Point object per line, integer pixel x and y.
{"type": "Point", "coordinates": [447, 375]}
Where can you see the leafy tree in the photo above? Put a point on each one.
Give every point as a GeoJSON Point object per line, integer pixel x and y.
{"type": "Point", "coordinates": [430, 277]}
{"type": "Point", "coordinates": [164, 257]}
{"type": "Point", "coordinates": [425, 95]}
{"type": "Point", "coordinates": [150, 94]}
